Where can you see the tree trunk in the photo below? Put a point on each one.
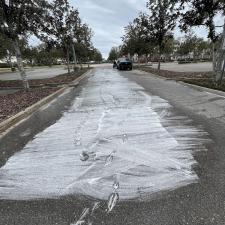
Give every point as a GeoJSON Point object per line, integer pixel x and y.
{"type": "Point", "coordinates": [74, 58]}
{"type": "Point", "coordinates": [81, 65]}
{"type": "Point", "coordinates": [220, 60]}
{"type": "Point", "coordinates": [159, 61]}
{"type": "Point", "coordinates": [160, 55]}
{"type": "Point", "coordinates": [20, 65]}
{"type": "Point", "coordinates": [213, 56]}
{"type": "Point", "coordinates": [68, 60]}
{"type": "Point", "coordinates": [9, 61]}
{"type": "Point", "coordinates": [138, 61]}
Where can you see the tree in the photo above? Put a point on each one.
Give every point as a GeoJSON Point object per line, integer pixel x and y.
{"type": "Point", "coordinates": [169, 45]}
{"type": "Point", "coordinates": [160, 22]}
{"type": "Point", "coordinates": [70, 33]}
{"type": "Point", "coordinates": [42, 55]}
{"type": "Point", "coordinates": [95, 55]}
{"type": "Point", "coordinates": [5, 48]}
{"type": "Point", "coordinates": [79, 33]}
{"type": "Point", "coordinates": [136, 39]}
{"type": "Point", "coordinates": [113, 54]}
{"type": "Point", "coordinates": [203, 13]}
{"type": "Point", "coordinates": [84, 46]}
{"type": "Point", "coordinates": [193, 45]}
{"type": "Point", "coordinates": [60, 27]}
{"type": "Point", "coordinates": [19, 17]}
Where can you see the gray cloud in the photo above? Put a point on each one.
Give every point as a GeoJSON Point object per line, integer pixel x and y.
{"type": "Point", "coordinates": [108, 18]}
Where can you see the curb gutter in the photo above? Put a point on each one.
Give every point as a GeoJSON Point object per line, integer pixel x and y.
{"type": "Point", "coordinates": [5, 125]}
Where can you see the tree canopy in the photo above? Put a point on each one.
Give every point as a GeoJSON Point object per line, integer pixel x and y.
{"type": "Point", "coordinates": [55, 23]}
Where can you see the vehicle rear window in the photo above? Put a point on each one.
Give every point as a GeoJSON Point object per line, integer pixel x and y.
{"type": "Point", "coordinates": [124, 60]}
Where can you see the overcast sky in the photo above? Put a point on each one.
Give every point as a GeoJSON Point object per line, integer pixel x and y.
{"type": "Point", "coordinates": [107, 18]}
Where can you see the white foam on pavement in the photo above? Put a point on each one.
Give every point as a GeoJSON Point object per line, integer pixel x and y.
{"type": "Point", "coordinates": [132, 138]}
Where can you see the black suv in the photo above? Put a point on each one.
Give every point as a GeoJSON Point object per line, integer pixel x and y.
{"type": "Point", "coordinates": [124, 64]}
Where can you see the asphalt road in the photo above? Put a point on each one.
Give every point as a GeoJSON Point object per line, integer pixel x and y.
{"type": "Point", "coordinates": [190, 67]}
{"type": "Point", "coordinates": [43, 72]}
{"type": "Point", "coordinates": [131, 149]}
{"type": "Point", "coordinates": [40, 73]}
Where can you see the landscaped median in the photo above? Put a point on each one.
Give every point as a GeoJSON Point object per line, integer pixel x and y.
{"type": "Point", "coordinates": [202, 79]}
{"type": "Point", "coordinates": [15, 107]}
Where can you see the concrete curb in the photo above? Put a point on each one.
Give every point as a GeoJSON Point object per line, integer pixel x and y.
{"type": "Point", "coordinates": [196, 87]}
{"type": "Point", "coordinates": [200, 88]}
{"type": "Point", "coordinates": [12, 121]}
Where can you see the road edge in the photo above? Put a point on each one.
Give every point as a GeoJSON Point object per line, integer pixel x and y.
{"type": "Point", "coordinates": [196, 87]}
{"type": "Point", "coordinates": [200, 88]}
{"type": "Point", "coordinates": [12, 121]}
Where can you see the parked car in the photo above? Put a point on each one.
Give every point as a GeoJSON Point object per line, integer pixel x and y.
{"type": "Point", "coordinates": [124, 64]}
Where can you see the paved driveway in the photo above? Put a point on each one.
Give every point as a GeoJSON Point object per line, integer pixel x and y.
{"type": "Point", "coordinates": [35, 73]}
{"type": "Point", "coordinates": [131, 149]}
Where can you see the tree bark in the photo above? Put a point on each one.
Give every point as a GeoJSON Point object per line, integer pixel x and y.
{"type": "Point", "coordinates": [160, 55]}
{"type": "Point", "coordinates": [138, 61]}
{"type": "Point", "coordinates": [74, 57]}
{"type": "Point", "coordinates": [213, 56]}
{"type": "Point", "coordinates": [9, 60]}
{"type": "Point", "coordinates": [220, 60]}
{"type": "Point", "coordinates": [20, 65]}
{"type": "Point", "coordinates": [68, 59]}
{"type": "Point", "coordinates": [159, 61]}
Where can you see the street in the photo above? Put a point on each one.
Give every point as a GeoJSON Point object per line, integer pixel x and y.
{"type": "Point", "coordinates": [42, 73]}
{"type": "Point", "coordinates": [131, 149]}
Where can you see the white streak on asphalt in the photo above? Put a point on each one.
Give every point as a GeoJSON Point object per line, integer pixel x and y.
{"type": "Point", "coordinates": [82, 217]}
{"type": "Point", "coordinates": [113, 199]}
{"type": "Point", "coordinates": [131, 137]}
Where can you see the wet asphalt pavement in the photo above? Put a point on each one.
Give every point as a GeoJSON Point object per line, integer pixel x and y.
{"type": "Point", "coordinates": [124, 148]}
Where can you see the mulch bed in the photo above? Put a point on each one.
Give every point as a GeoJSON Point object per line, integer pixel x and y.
{"type": "Point", "coordinates": [178, 75]}
{"type": "Point", "coordinates": [12, 104]}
